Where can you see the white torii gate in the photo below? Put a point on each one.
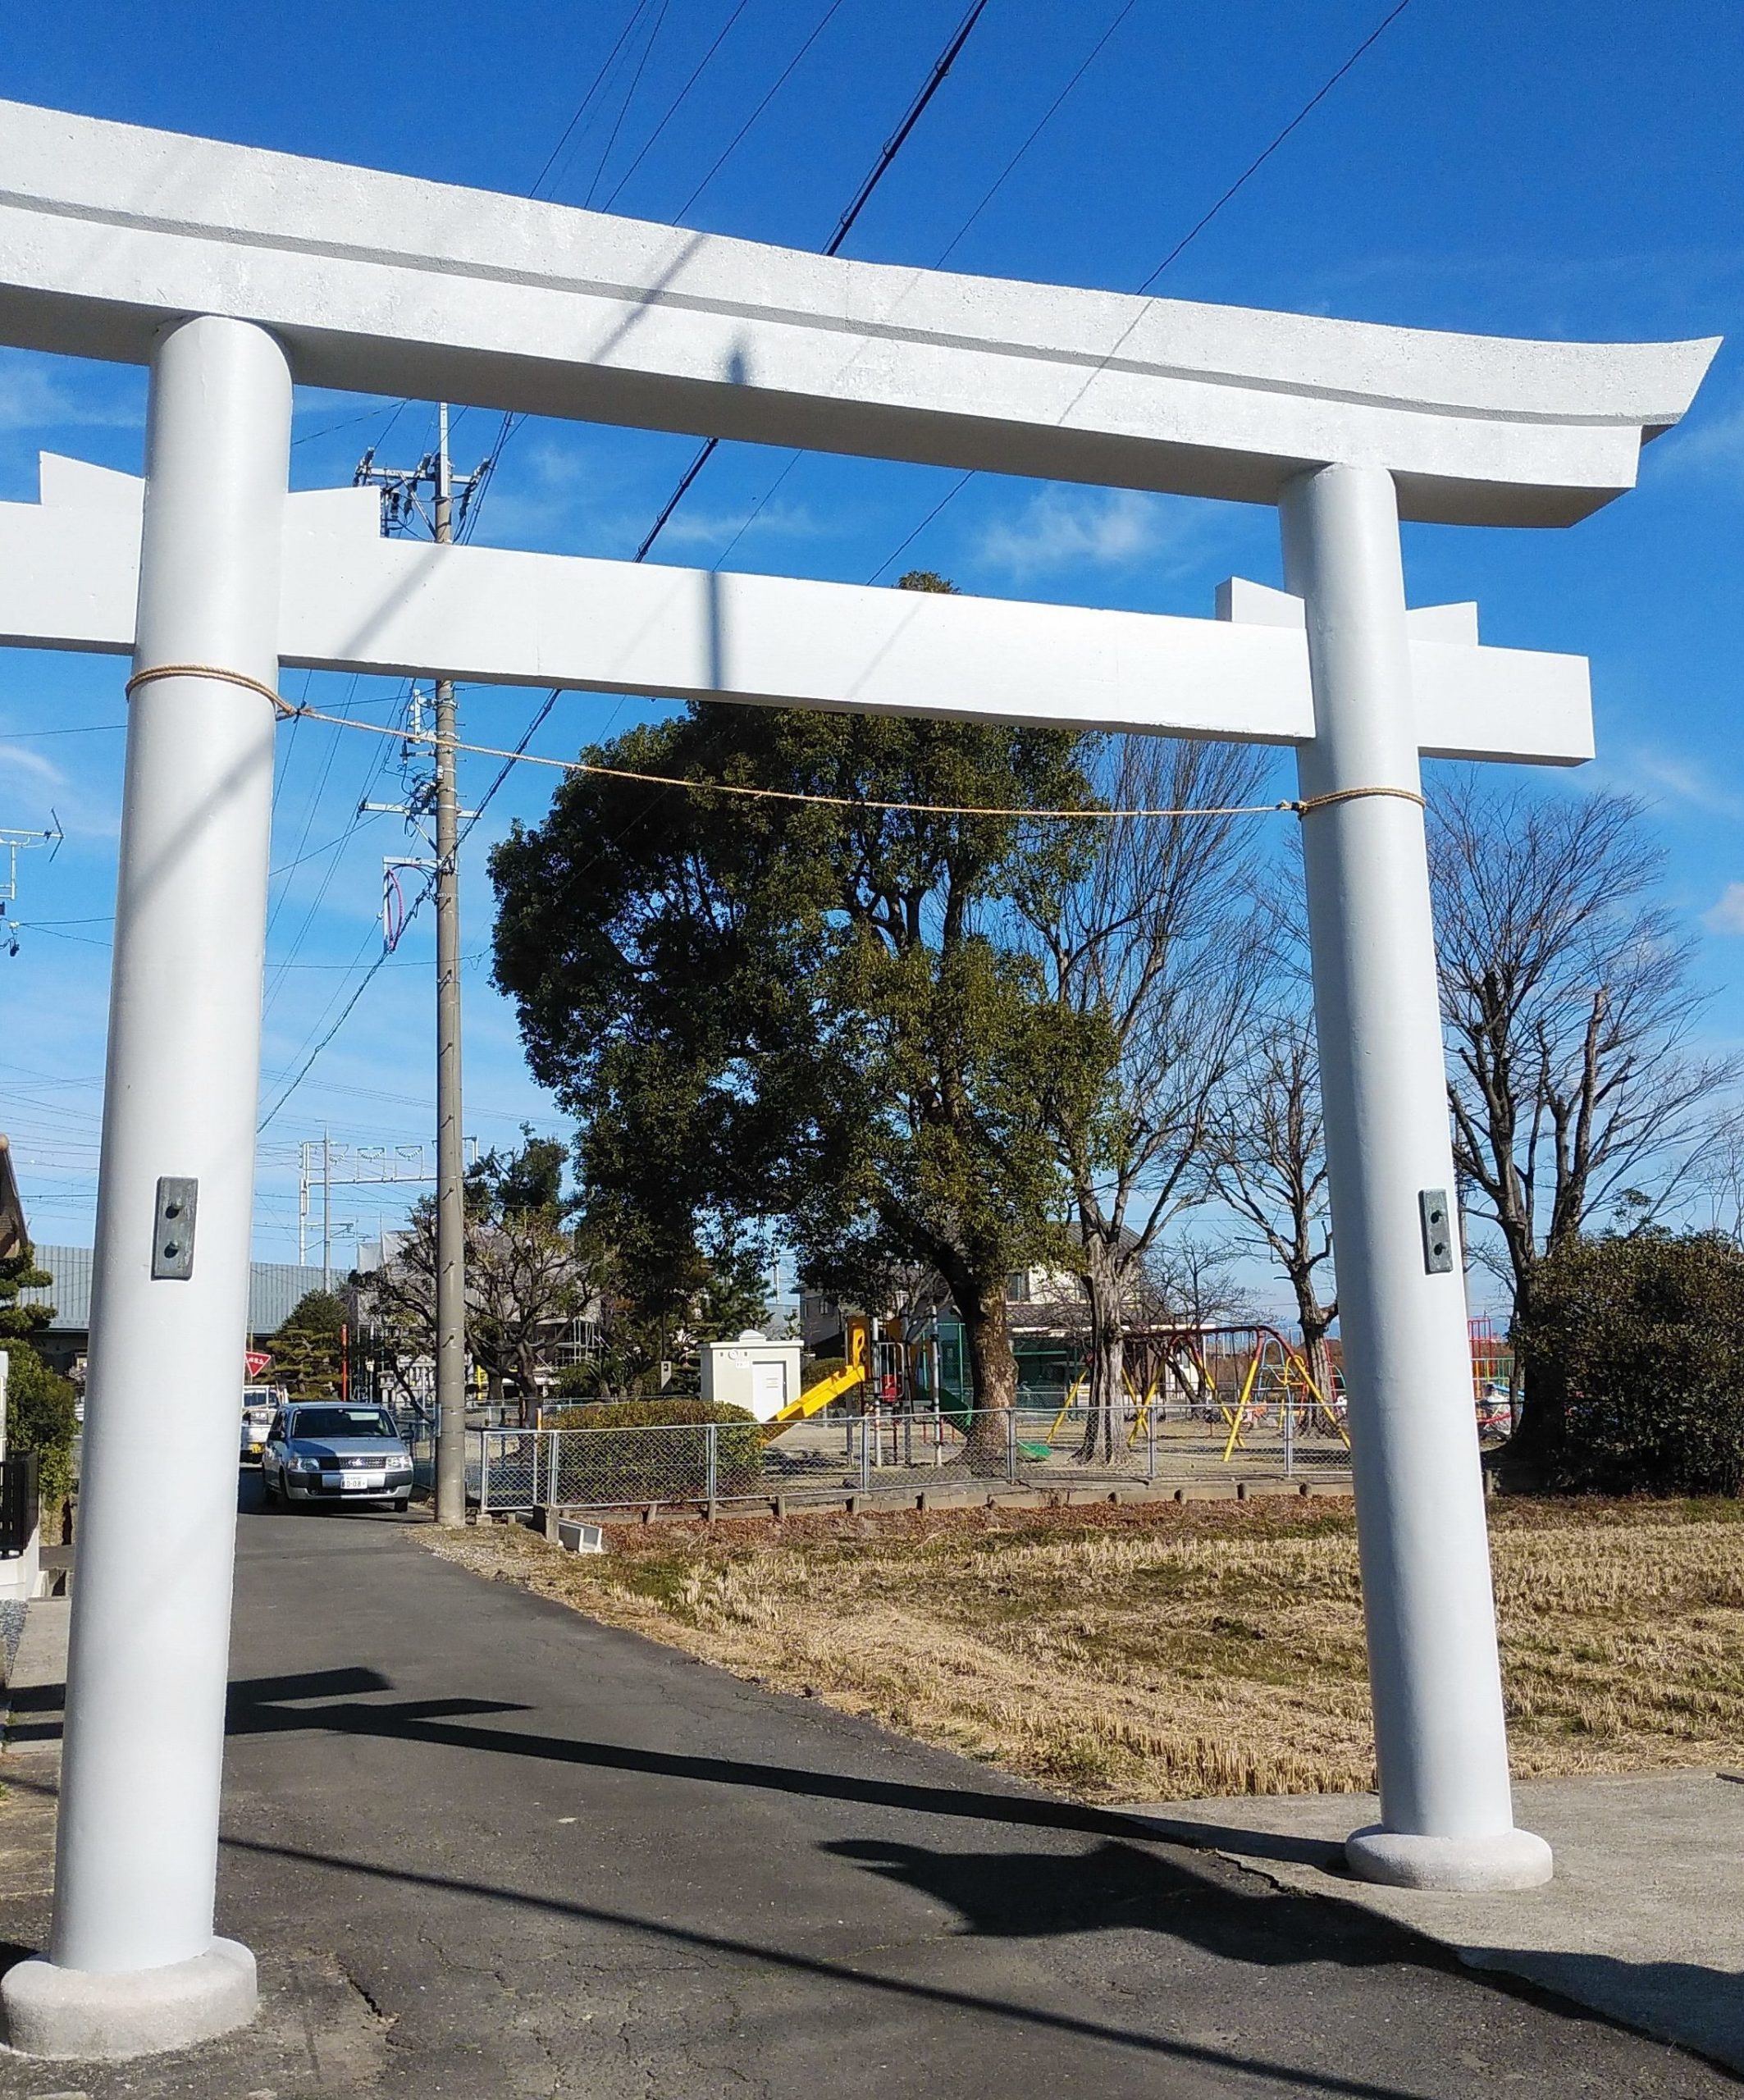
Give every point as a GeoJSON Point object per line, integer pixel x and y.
{"type": "Point", "coordinates": [229, 272]}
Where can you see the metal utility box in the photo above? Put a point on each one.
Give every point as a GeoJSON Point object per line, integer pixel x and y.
{"type": "Point", "coordinates": [751, 1373]}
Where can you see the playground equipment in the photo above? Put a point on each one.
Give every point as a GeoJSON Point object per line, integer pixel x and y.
{"type": "Point", "coordinates": [857, 1335]}
{"type": "Point", "coordinates": [1278, 1376]}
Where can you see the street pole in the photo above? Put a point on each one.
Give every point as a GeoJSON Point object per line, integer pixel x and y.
{"type": "Point", "coordinates": [327, 1211]}
{"type": "Point", "coordinates": [1441, 1745]}
{"type": "Point", "coordinates": [133, 1964]}
{"type": "Point", "coordinates": [451, 1292]}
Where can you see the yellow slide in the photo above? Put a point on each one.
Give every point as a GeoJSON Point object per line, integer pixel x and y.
{"type": "Point", "coordinates": [817, 1397]}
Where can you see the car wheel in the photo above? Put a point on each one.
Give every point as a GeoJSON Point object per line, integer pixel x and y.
{"type": "Point", "coordinates": [268, 1486]}
{"type": "Point", "coordinates": [402, 1503]}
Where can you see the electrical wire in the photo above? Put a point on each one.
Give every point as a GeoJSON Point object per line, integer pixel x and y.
{"type": "Point", "coordinates": [1048, 117]}
{"type": "Point", "coordinates": [1193, 233]}
{"type": "Point", "coordinates": [581, 108]}
{"type": "Point", "coordinates": [677, 101]}
{"type": "Point", "coordinates": [641, 67]}
{"type": "Point", "coordinates": [934, 80]}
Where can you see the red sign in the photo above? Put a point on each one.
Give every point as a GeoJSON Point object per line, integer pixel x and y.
{"type": "Point", "coordinates": [255, 1361]}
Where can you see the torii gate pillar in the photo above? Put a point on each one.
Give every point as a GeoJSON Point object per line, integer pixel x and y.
{"type": "Point", "coordinates": [1447, 1819]}
{"type": "Point", "coordinates": [134, 1964]}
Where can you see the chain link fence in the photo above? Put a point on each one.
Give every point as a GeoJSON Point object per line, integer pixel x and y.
{"type": "Point", "coordinates": [897, 1453]}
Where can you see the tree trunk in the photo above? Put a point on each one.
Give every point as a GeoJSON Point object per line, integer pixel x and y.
{"type": "Point", "coordinates": [1538, 1398]}
{"type": "Point", "coordinates": [1105, 1414]}
{"type": "Point", "coordinates": [993, 1370]}
{"type": "Point", "coordinates": [1314, 1319]}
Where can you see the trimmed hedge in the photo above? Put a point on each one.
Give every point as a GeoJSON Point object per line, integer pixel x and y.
{"type": "Point", "coordinates": [1633, 1350]}
{"type": "Point", "coordinates": [653, 1450]}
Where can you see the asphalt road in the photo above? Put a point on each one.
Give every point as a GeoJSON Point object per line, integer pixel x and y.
{"type": "Point", "coordinates": [487, 1848]}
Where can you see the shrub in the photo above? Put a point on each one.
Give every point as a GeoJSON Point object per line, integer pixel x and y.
{"type": "Point", "coordinates": [653, 1450]}
{"type": "Point", "coordinates": [1633, 1347]}
{"type": "Point", "coordinates": [39, 1417]}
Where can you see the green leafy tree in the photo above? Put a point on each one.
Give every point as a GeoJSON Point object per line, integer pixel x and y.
{"type": "Point", "coordinates": [40, 1412]}
{"type": "Point", "coordinates": [808, 1010]}
{"type": "Point", "coordinates": [41, 1417]}
{"type": "Point", "coordinates": [1634, 1349]}
{"type": "Point", "coordinates": [19, 1322]}
{"type": "Point", "coordinates": [308, 1347]}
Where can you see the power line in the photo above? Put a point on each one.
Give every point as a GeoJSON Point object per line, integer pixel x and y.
{"type": "Point", "coordinates": [1048, 117]}
{"type": "Point", "coordinates": [934, 80]}
{"type": "Point", "coordinates": [916, 109]}
{"type": "Point", "coordinates": [677, 101]}
{"type": "Point", "coordinates": [786, 74]}
{"type": "Point", "coordinates": [642, 67]}
{"type": "Point", "coordinates": [1259, 160]}
{"type": "Point", "coordinates": [1193, 233]}
{"type": "Point", "coordinates": [581, 108]}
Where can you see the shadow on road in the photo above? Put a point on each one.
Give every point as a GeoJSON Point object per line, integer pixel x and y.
{"type": "Point", "coordinates": [332, 1700]}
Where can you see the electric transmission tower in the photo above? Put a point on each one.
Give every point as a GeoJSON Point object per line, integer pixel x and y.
{"type": "Point", "coordinates": [404, 509]}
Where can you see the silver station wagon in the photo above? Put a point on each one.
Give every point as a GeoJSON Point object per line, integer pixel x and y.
{"type": "Point", "coordinates": [322, 1451]}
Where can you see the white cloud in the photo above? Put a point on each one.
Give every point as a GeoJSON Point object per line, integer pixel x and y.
{"type": "Point", "coordinates": [1727, 916]}
{"type": "Point", "coordinates": [1063, 528]}
{"type": "Point", "coordinates": [795, 521]}
{"type": "Point", "coordinates": [37, 395]}
{"type": "Point", "coordinates": [16, 759]}
{"type": "Point", "coordinates": [1689, 783]}
{"type": "Point", "coordinates": [1713, 445]}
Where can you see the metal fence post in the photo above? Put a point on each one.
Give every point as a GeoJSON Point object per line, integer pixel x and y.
{"type": "Point", "coordinates": [1150, 1438]}
{"type": "Point", "coordinates": [711, 1434]}
{"type": "Point", "coordinates": [1289, 1435]}
{"type": "Point", "coordinates": [1011, 1446]}
{"type": "Point", "coordinates": [866, 1425]}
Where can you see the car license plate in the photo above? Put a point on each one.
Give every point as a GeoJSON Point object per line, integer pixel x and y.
{"type": "Point", "coordinates": [364, 1483]}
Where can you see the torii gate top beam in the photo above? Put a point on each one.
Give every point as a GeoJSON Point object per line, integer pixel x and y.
{"type": "Point", "coordinates": [382, 283]}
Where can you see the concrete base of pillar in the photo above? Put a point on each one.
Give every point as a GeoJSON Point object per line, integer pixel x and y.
{"type": "Point", "coordinates": [1463, 1866]}
{"type": "Point", "coordinates": [74, 2013]}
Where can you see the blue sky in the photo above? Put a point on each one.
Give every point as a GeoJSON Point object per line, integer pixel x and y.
{"type": "Point", "coordinates": [1563, 170]}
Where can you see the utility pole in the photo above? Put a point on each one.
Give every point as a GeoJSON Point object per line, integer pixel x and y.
{"type": "Point", "coordinates": [436, 474]}
{"type": "Point", "coordinates": [326, 1212]}
{"type": "Point", "coordinates": [450, 1294]}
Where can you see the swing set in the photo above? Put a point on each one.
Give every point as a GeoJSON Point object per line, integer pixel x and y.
{"type": "Point", "coordinates": [1185, 1360]}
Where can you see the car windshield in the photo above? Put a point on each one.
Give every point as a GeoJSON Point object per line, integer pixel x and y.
{"type": "Point", "coordinates": [342, 1421]}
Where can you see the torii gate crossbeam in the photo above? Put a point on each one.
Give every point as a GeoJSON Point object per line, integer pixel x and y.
{"type": "Point", "coordinates": [231, 271]}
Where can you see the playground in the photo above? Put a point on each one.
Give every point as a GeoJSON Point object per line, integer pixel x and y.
{"type": "Point", "coordinates": [1164, 1651]}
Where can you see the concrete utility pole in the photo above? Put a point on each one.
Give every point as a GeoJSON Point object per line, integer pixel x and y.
{"type": "Point", "coordinates": [451, 1290]}
{"type": "Point", "coordinates": [436, 473]}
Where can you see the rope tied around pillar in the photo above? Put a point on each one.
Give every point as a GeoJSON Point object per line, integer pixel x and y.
{"type": "Point", "coordinates": [145, 678]}
{"type": "Point", "coordinates": [1310, 803]}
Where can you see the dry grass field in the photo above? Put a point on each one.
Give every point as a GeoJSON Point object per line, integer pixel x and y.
{"type": "Point", "coordinates": [1164, 1651]}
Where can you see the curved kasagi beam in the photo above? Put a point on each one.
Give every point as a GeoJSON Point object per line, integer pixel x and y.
{"type": "Point", "coordinates": [386, 285]}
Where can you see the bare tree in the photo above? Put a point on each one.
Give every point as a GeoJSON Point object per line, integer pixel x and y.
{"type": "Point", "coordinates": [525, 1281]}
{"type": "Point", "coordinates": [1153, 942]}
{"type": "Point", "coordinates": [1569, 1011]}
{"type": "Point", "coordinates": [1270, 1167]}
